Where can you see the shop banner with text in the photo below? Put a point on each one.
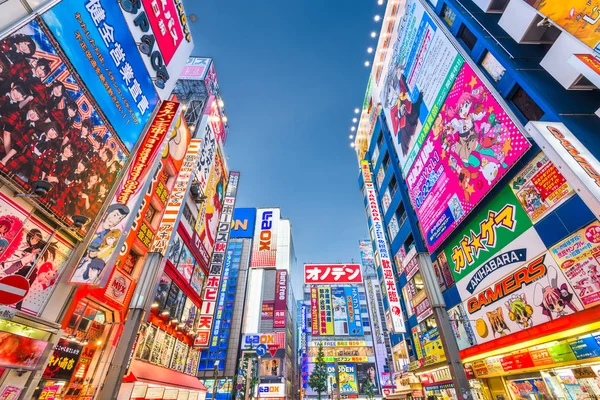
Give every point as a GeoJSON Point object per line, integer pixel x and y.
{"type": "Point", "coordinates": [280, 304]}
{"type": "Point", "coordinates": [355, 327]}
{"type": "Point", "coordinates": [315, 274]}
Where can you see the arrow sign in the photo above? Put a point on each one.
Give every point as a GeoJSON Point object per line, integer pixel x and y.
{"type": "Point", "coordinates": [13, 289]}
{"type": "Point", "coordinates": [261, 350]}
{"type": "Point", "coordinates": [273, 349]}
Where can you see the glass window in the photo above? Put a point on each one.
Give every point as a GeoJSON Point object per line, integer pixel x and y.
{"type": "Point", "coordinates": [448, 15]}
{"type": "Point", "coordinates": [467, 37]}
{"type": "Point", "coordinates": [393, 186]}
{"type": "Point", "coordinates": [492, 66]}
{"type": "Point", "coordinates": [526, 105]}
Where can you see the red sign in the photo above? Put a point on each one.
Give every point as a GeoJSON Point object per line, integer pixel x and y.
{"type": "Point", "coordinates": [20, 351]}
{"type": "Point", "coordinates": [118, 286]}
{"type": "Point", "coordinates": [280, 305]}
{"type": "Point", "coordinates": [273, 349]}
{"type": "Point", "coordinates": [13, 289]}
{"type": "Point", "coordinates": [332, 273]}
{"type": "Point", "coordinates": [541, 357]}
{"type": "Point", "coordinates": [164, 20]}
{"type": "Point", "coordinates": [267, 310]}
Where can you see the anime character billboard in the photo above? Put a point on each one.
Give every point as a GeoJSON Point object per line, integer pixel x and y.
{"type": "Point", "coordinates": [472, 144]}
{"type": "Point", "coordinates": [51, 130]}
{"type": "Point", "coordinates": [25, 251]}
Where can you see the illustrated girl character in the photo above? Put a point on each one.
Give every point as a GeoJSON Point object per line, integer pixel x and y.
{"type": "Point", "coordinates": [31, 271]}
{"type": "Point", "coordinates": [464, 177]}
{"type": "Point", "coordinates": [89, 271]}
{"type": "Point", "coordinates": [554, 299]}
{"type": "Point", "coordinates": [519, 311]}
{"type": "Point", "coordinates": [469, 110]}
{"type": "Point", "coordinates": [531, 199]}
{"type": "Point", "coordinates": [594, 275]}
{"type": "Point", "coordinates": [497, 322]}
{"type": "Point", "coordinates": [5, 227]}
{"type": "Point", "coordinates": [213, 211]}
{"type": "Point", "coordinates": [26, 254]}
{"type": "Point", "coordinates": [108, 244]}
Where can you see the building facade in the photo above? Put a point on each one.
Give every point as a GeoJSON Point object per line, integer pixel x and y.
{"type": "Point", "coordinates": [473, 118]}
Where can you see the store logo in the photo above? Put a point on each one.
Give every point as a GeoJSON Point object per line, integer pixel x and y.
{"type": "Point", "coordinates": [268, 389]}
{"type": "Point", "coordinates": [265, 231]}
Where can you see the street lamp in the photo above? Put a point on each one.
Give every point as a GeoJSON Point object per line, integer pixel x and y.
{"type": "Point", "coordinates": [216, 371]}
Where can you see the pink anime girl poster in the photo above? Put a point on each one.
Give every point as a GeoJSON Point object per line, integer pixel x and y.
{"type": "Point", "coordinates": [471, 146]}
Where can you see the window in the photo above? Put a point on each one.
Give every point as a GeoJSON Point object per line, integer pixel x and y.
{"type": "Point", "coordinates": [492, 66]}
{"type": "Point", "coordinates": [393, 186]}
{"type": "Point", "coordinates": [188, 215]}
{"type": "Point", "coordinates": [467, 37]}
{"type": "Point", "coordinates": [386, 161]}
{"type": "Point", "coordinates": [401, 214]}
{"type": "Point", "coordinates": [409, 242]}
{"type": "Point", "coordinates": [526, 105]}
{"type": "Point", "coordinates": [150, 212]}
{"type": "Point", "coordinates": [380, 139]}
{"type": "Point", "coordinates": [448, 15]}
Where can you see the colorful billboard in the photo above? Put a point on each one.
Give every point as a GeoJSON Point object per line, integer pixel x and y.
{"type": "Point", "coordinates": [325, 311]}
{"type": "Point", "coordinates": [251, 340]}
{"type": "Point", "coordinates": [340, 311]}
{"type": "Point", "coordinates": [20, 352]}
{"type": "Point", "coordinates": [367, 376]}
{"type": "Point", "coordinates": [423, 64]}
{"type": "Point", "coordinates": [63, 360]}
{"type": "Point", "coordinates": [347, 378]}
{"type": "Point", "coordinates": [462, 329]}
{"type": "Point", "coordinates": [579, 259]}
{"type": "Point", "coordinates": [540, 187]}
{"type": "Point", "coordinates": [195, 68]}
{"type": "Point", "coordinates": [383, 250]}
{"type": "Point", "coordinates": [164, 36]}
{"type": "Point", "coordinates": [355, 327]}
{"type": "Point", "coordinates": [267, 310]}
{"type": "Point", "coordinates": [280, 305]}
{"type": "Point", "coordinates": [98, 261]}
{"type": "Point", "coordinates": [52, 130]}
{"type": "Point", "coordinates": [322, 274]}
{"type": "Point", "coordinates": [215, 269]}
{"type": "Point", "coordinates": [472, 145]}
{"type": "Point", "coordinates": [94, 36]}
{"type": "Point", "coordinates": [314, 311]}
{"type": "Point", "coordinates": [264, 249]}
{"type": "Point", "coordinates": [207, 152]}
{"type": "Point", "coordinates": [578, 17]}
{"type": "Point", "coordinates": [367, 259]}
{"type": "Point", "coordinates": [22, 239]}
{"type": "Point", "coordinates": [210, 209]}
{"type": "Point", "coordinates": [243, 222]}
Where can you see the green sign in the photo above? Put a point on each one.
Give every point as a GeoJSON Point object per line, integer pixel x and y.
{"type": "Point", "coordinates": [561, 353]}
{"type": "Point", "coordinates": [499, 222]}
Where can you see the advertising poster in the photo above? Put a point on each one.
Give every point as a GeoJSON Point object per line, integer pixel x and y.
{"type": "Point", "coordinates": [268, 308]}
{"type": "Point", "coordinates": [210, 209]}
{"type": "Point", "coordinates": [195, 68]}
{"type": "Point", "coordinates": [20, 352]}
{"type": "Point", "coordinates": [348, 379]}
{"type": "Point", "coordinates": [340, 310]}
{"type": "Point", "coordinates": [355, 327]}
{"type": "Point", "coordinates": [243, 222]}
{"type": "Point", "coordinates": [185, 263]}
{"type": "Point", "coordinates": [198, 277]}
{"type": "Point", "coordinates": [366, 375]}
{"type": "Point", "coordinates": [526, 389]}
{"type": "Point", "coordinates": [76, 152]}
{"type": "Point", "coordinates": [63, 360]}
{"type": "Point", "coordinates": [280, 304]}
{"type": "Point", "coordinates": [94, 36]}
{"type": "Point", "coordinates": [393, 228]}
{"type": "Point", "coordinates": [189, 314]}
{"type": "Point", "coordinates": [473, 143]}
{"type": "Point", "coordinates": [580, 18]}
{"type": "Point", "coordinates": [462, 329]}
{"type": "Point", "coordinates": [10, 393]}
{"type": "Point", "coordinates": [432, 347]}
{"type": "Point", "coordinates": [315, 274]}
{"type": "Point", "coordinates": [208, 150]}
{"type": "Point", "coordinates": [270, 367]}
{"type": "Point", "coordinates": [540, 187]}
{"type": "Point", "coordinates": [98, 261]}
{"type": "Point", "coordinates": [264, 248]}
{"type": "Point", "coordinates": [422, 67]}
{"type": "Point", "coordinates": [367, 258]}
{"type": "Point", "coordinates": [179, 355]}
{"type": "Point", "coordinates": [314, 311]}
{"type": "Point", "coordinates": [325, 312]}
{"type": "Point", "coordinates": [22, 237]}
{"type": "Point", "coordinates": [578, 257]}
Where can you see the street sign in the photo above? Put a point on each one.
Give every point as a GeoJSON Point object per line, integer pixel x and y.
{"type": "Point", "coordinates": [261, 350]}
{"type": "Point", "coordinates": [273, 349]}
{"type": "Point", "coordinates": [13, 289]}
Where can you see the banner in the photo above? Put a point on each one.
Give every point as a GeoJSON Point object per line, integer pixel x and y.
{"type": "Point", "coordinates": [215, 270]}
{"type": "Point", "coordinates": [340, 311]}
{"type": "Point", "coordinates": [220, 306]}
{"type": "Point", "coordinates": [243, 222]}
{"type": "Point", "coordinates": [314, 311]}
{"type": "Point", "coordinates": [355, 327]}
{"type": "Point", "coordinates": [251, 340]}
{"type": "Point", "coordinates": [366, 374]}
{"type": "Point", "coordinates": [317, 274]}
{"type": "Point", "coordinates": [347, 378]}
{"type": "Point", "coordinates": [367, 259]}
{"type": "Point", "coordinates": [195, 68]}
{"type": "Point", "coordinates": [540, 187]}
{"type": "Point", "coordinates": [94, 36]}
{"type": "Point", "coordinates": [268, 308]}
{"type": "Point", "coordinates": [264, 249]}
{"type": "Point", "coordinates": [578, 257]}
{"type": "Point", "coordinates": [472, 145]}
{"type": "Point", "coordinates": [325, 312]}
{"type": "Point", "coordinates": [98, 261]}
{"type": "Point", "coordinates": [280, 306]}
{"type": "Point", "coordinates": [578, 17]}
{"type": "Point", "coordinates": [63, 360]}
{"type": "Point", "coordinates": [77, 152]}
{"type": "Point", "coordinates": [383, 250]}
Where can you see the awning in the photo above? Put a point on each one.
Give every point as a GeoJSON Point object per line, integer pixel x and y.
{"type": "Point", "coordinates": [145, 372]}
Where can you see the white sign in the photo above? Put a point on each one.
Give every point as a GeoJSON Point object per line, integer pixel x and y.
{"type": "Point", "coordinates": [572, 158]}
{"type": "Point", "coordinates": [271, 390]}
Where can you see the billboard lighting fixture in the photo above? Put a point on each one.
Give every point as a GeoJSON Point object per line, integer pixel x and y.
{"type": "Point", "coordinates": [377, 18]}
{"type": "Point", "coordinates": [351, 136]}
{"type": "Point", "coordinates": [352, 144]}
{"type": "Point", "coordinates": [166, 312]}
{"type": "Point", "coordinates": [39, 188]}
{"type": "Point", "coordinates": [221, 104]}
{"type": "Point", "coordinates": [353, 128]}
{"type": "Point", "coordinates": [356, 111]}
{"type": "Point", "coordinates": [373, 34]}
{"type": "Point", "coordinates": [370, 50]}
{"type": "Point", "coordinates": [224, 118]}
{"type": "Point", "coordinates": [380, 2]}
{"type": "Point", "coordinates": [155, 304]}
{"type": "Point", "coordinates": [355, 120]}
{"type": "Point", "coordinates": [367, 63]}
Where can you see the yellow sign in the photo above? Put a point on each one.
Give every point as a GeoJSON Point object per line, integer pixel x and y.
{"type": "Point", "coordinates": [353, 359]}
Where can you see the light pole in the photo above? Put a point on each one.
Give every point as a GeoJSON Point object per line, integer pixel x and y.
{"type": "Point", "coordinates": [216, 371]}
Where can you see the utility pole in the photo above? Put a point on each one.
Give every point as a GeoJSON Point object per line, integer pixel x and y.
{"type": "Point", "coordinates": [436, 300]}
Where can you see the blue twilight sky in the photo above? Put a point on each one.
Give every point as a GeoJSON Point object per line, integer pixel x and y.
{"type": "Point", "coordinates": [291, 74]}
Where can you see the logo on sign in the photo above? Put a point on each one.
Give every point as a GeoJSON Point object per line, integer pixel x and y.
{"type": "Point", "coordinates": [118, 287]}
{"type": "Point", "coordinates": [265, 231]}
{"type": "Point", "coordinates": [268, 389]}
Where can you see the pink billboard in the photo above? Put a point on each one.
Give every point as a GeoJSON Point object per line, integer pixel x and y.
{"type": "Point", "coordinates": [472, 144]}
{"type": "Point", "coordinates": [164, 19]}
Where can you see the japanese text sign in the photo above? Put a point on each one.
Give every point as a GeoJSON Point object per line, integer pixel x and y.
{"type": "Point", "coordinates": [63, 360]}
{"type": "Point", "coordinates": [314, 311]}
{"type": "Point", "coordinates": [281, 287]}
{"type": "Point", "coordinates": [95, 38]}
{"type": "Point", "coordinates": [315, 274]}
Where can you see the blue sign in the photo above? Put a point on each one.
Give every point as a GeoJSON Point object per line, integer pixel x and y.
{"type": "Point", "coordinates": [243, 223]}
{"type": "Point", "coordinates": [95, 37]}
{"type": "Point", "coordinates": [216, 333]}
{"type": "Point", "coordinates": [585, 347]}
{"type": "Point", "coordinates": [354, 317]}
{"type": "Point", "coordinates": [261, 350]}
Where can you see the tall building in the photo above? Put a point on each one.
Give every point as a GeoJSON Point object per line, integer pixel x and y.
{"type": "Point", "coordinates": [477, 155]}
{"type": "Point", "coordinates": [338, 314]}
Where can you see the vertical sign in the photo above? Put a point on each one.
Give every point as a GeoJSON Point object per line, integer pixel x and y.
{"type": "Point", "coordinates": [326, 315]}
{"type": "Point", "coordinates": [304, 347]}
{"type": "Point", "coordinates": [340, 310]}
{"type": "Point", "coordinates": [172, 211]}
{"type": "Point", "coordinates": [355, 327]}
{"type": "Point", "coordinates": [281, 280]}
{"type": "Point", "coordinates": [382, 247]}
{"type": "Point", "coordinates": [314, 311]}
{"type": "Point", "coordinates": [211, 290]}
{"type": "Point", "coordinates": [99, 259]}
{"type": "Point", "coordinates": [221, 303]}
{"type": "Point", "coordinates": [264, 249]}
